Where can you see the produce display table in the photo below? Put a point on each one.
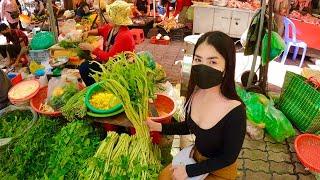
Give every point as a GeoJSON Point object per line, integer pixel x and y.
{"type": "Point", "coordinates": [146, 26]}
{"type": "Point", "coordinates": [119, 120]}
{"type": "Point", "coordinates": [308, 33]}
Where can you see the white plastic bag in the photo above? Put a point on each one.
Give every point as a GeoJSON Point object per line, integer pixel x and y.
{"type": "Point", "coordinates": [183, 158]}
{"type": "Point", "coordinates": [68, 26]}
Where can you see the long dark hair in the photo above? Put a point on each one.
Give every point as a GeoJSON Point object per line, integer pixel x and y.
{"type": "Point", "coordinates": [225, 46]}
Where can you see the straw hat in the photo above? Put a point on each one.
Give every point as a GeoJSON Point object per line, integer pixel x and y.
{"type": "Point", "coordinates": [119, 13]}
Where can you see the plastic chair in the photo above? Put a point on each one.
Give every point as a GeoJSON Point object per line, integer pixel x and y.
{"type": "Point", "coordinates": [290, 29]}
{"type": "Point", "coordinates": [138, 35]}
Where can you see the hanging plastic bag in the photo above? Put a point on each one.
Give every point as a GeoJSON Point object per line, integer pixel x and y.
{"type": "Point", "coordinates": [277, 46]}
{"type": "Point", "coordinates": [277, 124]}
{"type": "Point", "coordinates": [42, 40]}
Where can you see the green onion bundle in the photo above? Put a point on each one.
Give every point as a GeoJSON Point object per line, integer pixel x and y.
{"type": "Point", "coordinates": [132, 82]}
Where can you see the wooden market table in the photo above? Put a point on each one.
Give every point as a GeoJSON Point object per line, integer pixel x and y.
{"type": "Point", "coordinates": [146, 26]}
{"type": "Point", "coordinates": [118, 120]}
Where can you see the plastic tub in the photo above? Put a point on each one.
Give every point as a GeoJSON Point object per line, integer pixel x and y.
{"type": "Point", "coordinates": [308, 151]}
{"type": "Point", "coordinates": [166, 108]}
{"type": "Point", "coordinates": [37, 100]}
{"type": "Point", "coordinates": [154, 40]}
{"type": "Point", "coordinates": [94, 88]}
{"type": "Point", "coordinates": [15, 80]}
{"type": "Point", "coordinates": [21, 87]}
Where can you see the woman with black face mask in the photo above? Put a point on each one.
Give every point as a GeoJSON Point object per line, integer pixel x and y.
{"type": "Point", "coordinates": [214, 113]}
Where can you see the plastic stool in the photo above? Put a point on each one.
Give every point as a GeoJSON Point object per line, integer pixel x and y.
{"type": "Point", "coordinates": [138, 35]}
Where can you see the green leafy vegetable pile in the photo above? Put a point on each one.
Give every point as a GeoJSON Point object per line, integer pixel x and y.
{"type": "Point", "coordinates": [118, 157]}
{"type": "Point", "coordinates": [75, 107]}
{"type": "Point", "coordinates": [68, 44]}
{"type": "Point", "coordinates": [82, 54]}
{"type": "Point", "coordinates": [72, 146]}
{"type": "Point", "coordinates": [28, 155]}
{"type": "Point", "coordinates": [14, 123]}
{"type": "Point", "coordinates": [68, 91]}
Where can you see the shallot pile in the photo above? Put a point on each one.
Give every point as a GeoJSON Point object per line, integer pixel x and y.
{"type": "Point", "coordinates": [252, 5]}
{"type": "Point", "coordinates": [305, 18]}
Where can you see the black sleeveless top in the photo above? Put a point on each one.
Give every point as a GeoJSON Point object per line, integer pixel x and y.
{"type": "Point", "coordinates": [221, 143]}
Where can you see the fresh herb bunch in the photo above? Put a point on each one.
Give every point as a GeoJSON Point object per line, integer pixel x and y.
{"type": "Point", "coordinates": [28, 155]}
{"type": "Point", "coordinates": [131, 81]}
{"type": "Point", "coordinates": [68, 44]}
{"type": "Point", "coordinates": [72, 146]}
{"type": "Point", "coordinates": [68, 91]}
{"type": "Point", "coordinates": [75, 107]}
{"type": "Point", "coordinates": [119, 157]}
{"type": "Point", "coordinates": [14, 123]}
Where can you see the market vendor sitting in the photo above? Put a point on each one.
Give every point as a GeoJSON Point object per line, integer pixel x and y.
{"type": "Point", "coordinates": [19, 40]}
{"type": "Point", "coordinates": [182, 7]}
{"type": "Point", "coordinates": [5, 85]}
{"type": "Point", "coordinates": [82, 11]}
{"type": "Point", "coordinates": [116, 36]}
{"type": "Point", "coordinates": [141, 8]}
{"type": "Point", "coordinates": [39, 8]}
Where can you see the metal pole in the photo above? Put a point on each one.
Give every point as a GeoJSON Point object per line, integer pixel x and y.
{"type": "Point", "coordinates": [52, 20]}
{"type": "Point", "coordinates": [154, 11]}
{"type": "Point", "coordinates": [256, 51]}
{"type": "Point", "coordinates": [264, 78]}
{"type": "Point", "coordinates": [100, 14]}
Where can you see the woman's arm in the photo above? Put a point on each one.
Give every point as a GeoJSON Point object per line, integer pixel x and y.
{"type": "Point", "coordinates": [93, 32]}
{"type": "Point", "coordinates": [41, 8]}
{"type": "Point", "coordinates": [167, 9]}
{"type": "Point", "coordinates": [235, 130]}
{"type": "Point", "coordinates": [179, 6]}
{"type": "Point", "coordinates": [180, 128]}
{"type": "Point", "coordinates": [148, 7]}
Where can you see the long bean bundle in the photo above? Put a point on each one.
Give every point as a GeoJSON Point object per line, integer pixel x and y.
{"type": "Point", "coordinates": [75, 107]}
{"type": "Point", "coordinates": [131, 81]}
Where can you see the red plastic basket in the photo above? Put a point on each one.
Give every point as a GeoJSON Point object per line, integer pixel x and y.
{"type": "Point", "coordinates": [19, 87]}
{"type": "Point", "coordinates": [36, 101]}
{"type": "Point", "coordinates": [308, 151]}
{"type": "Point", "coordinates": [16, 79]}
{"type": "Point", "coordinates": [154, 40]}
{"type": "Point", "coordinates": [166, 108]}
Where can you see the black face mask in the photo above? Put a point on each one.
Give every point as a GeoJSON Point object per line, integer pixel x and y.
{"type": "Point", "coordinates": [206, 77]}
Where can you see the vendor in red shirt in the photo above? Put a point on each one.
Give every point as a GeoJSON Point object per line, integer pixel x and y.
{"type": "Point", "coordinates": [141, 8]}
{"type": "Point", "coordinates": [116, 36]}
{"type": "Point", "coordinates": [17, 40]}
{"type": "Point", "coordinates": [182, 7]}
